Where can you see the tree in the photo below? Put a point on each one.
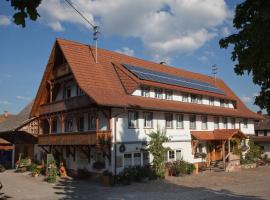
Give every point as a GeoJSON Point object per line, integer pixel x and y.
{"type": "Point", "coordinates": [24, 9]}
{"type": "Point", "coordinates": [158, 151]}
{"type": "Point", "coordinates": [252, 45]}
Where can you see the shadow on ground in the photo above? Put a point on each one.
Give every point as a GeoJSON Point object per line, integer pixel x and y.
{"type": "Point", "coordinates": [154, 190]}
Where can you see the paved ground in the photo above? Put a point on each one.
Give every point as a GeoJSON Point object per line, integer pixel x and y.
{"type": "Point", "coordinates": [252, 184]}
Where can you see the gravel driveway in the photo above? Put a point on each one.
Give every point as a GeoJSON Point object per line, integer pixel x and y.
{"type": "Point", "coordinates": [252, 184]}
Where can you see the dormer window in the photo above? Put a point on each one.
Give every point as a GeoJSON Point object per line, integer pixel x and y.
{"type": "Point", "coordinates": [145, 91]}
{"type": "Point", "coordinates": [158, 93]}
{"type": "Point", "coordinates": [211, 101]}
{"type": "Point", "coordinates": [194, 98]}
{"type": "Point", "coordinates": [185, 97]}
{"type": "Point", "coordinates": [169, 94]}
{"type": "Point", "coordinates": [80, 92]}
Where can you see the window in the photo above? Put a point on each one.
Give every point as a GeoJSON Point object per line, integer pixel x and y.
{"type": "Point", "coordinates": [158, 93]}
{"type": "Point", "coordinates": [200, 99]}
{"type": "Point", "coordinates": [80, 92]}
{"type": "Point", "coordinates": [194, 98]}
{"type": "Point", "coordinates": [216, 122]}
{"type": "Point", "coordinates": [171, 155]}
{"type": "Point", "coordinates": [92, 121]}
{"type": "Point", "coordinates": [199, 148]}
{"type": "Point", "coordinates": [168, 120]}
{"type": "Point", "coordinates": [225, 122]}
{"type": "Point", "coordinates": [67, 92]}
{"type": "Point", "coordinates": [137, 159]}
{"type": "Point", "coordinates": [178, 155]}
{"type": "Point", "coordinates": [81, 123]}
{"type": "Point", "coordinates": [211, 101]}
{"type": "Point", "coordinates": [133, 119]}
{"type": "Point", "coordinates": [233, 123]}
{"type": "Point", "coordinates": [222, 102]}
{"type": "Point", "coordinates": [148, 119]}
{"type": "Point", "coordinates": [145, 91]}
{"type": "Point", "coordinates": [127, 159]}
{"type": "Point", "coordinates": [54, 126]}
{"type": "Point", "coordinates": [192, 122]}
{"type": "Point", "coordinates": [168, 94]}
{"type": "Point", "coordinates": [185, 97]}
{"type": "Point", "coordinates": [146, 160]}
{"type": "Point", "coordinates": [68, 125]}
{"type": "Point", "coordinates": [245, 122]}
{"type": "Point", "coordinates": [180, 121]}
{"type": "Point", "coordinates": [204, 122]}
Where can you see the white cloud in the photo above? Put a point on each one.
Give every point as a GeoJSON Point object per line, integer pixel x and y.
{"type": "Point", "coordinates": [4, 20]}
{"type": "Point", "coordinates": [203, 58]}
{"type": "Point", "coordinates": [247, 99]}
{"type": "Point", "coordinates": [5, 102]}
{"type": "Point", "coordinates": [23, 98]}
{"type": "Point", "coordinates": [56, 26]}
{"type": "Point", "coordinates": [126, 51]}
{"type": "Point", "coordinates": [165, 27]}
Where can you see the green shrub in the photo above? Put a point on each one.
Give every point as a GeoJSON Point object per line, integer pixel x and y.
{"type": "Point", "coordinates": [180, 167]}
{"type": "Point", "coordinates": [52, 174]}
{"type": "Point", "coordinates": [33, 167]}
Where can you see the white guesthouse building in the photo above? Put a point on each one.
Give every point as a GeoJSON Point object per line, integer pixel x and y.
{"type": "Point", "coordinates": [121, 99]}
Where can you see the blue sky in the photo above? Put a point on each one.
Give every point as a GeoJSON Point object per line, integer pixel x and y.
{"type": "Point", "coordinates": [187, 40]}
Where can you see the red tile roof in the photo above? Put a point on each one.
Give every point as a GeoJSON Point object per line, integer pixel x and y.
{"type": "Point", "coordinates": [218, 134]}
{"type": "Point", "coordinates": [108, 83]}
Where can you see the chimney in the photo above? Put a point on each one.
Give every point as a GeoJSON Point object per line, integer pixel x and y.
{"type": "Point", "coordinates": [259, 112]}
{"type": "Point", "coordinates": [163, 63]}
{"type": "Point", "coordinates": [6, 114]}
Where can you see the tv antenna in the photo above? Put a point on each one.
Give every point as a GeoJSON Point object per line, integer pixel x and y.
{"type": "Point", "coordinates": [96, 29]}
{"type": "Point", "coordinates": [214, 71]}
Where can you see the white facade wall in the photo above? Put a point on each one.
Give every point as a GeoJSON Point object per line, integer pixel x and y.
{"type": "Point", "coordinates": [179, 138]}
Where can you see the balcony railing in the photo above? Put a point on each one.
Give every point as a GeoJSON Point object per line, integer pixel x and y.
{"type": "Point", "coordinates": [63, 105]}
{"type": "Point", "coordinates": [81, 138]}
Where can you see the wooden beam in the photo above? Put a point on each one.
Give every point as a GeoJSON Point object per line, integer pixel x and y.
{"type": "Point", "coordinates": [44, 149]}
{"type": "Point", "coordinates": [223, 154]}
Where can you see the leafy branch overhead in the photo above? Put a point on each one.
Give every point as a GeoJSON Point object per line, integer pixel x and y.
{"type": "Point", "coordinates": [24, 9]}
{"type": "Point", "coordinates": [252, 45]}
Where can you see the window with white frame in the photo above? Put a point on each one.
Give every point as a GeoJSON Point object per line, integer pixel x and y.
{"type": "Point", "coordinates": [137, 159]}
{"type": "Point", "coordinates": [92, 121]}
{"type": "Point", "coordinates": [222, 102]}
{"type": "Point", "coordinates": [211, 101]}
{"type": "Point", "coordinates": [245, 123]}
{"type": "Point", "coordinates": [146, 159]}
{"type": "Point", "coordinates": [168, 94]}
{"type": "Point", "coordinates": [133, 119]}
{"type": "Point", "coordinates": [69, 125]}
{"type": "Point", "coordinates": [225, 122]}
{"type": "Point", "coordinates": [233, 123]}
{"type": "Point", "coordinates": [148, 119]}
{"type": "Point", "coordinates": [127, 159]}
{"type": "Point", "coordinates": [168, 120]}
{"type": "Point", "coordinates": [194, 98]}
{"type": "Point", "coordinates": [185, 97]}
{"type": "Point", "coordinates": [216, 122]}
{"type": "Point", "coordinates": [199, 99]}
{"type": "Point", "coordinates": [158, 93]}
{"type": "Point", "coordinates": [145, 91]}
{"type": "Point", "coordinates": [204, 122]}
{"type": "Point", "coordinates": [67, 92]}
{"type": "Point", "coordinates": [180, 121]}
{"type": "Point", "coordinates": [192, 122]}
{"type": "Point", "coordinates": [178, 154]}
{"type": "Point", "coordinates": [80, 123]}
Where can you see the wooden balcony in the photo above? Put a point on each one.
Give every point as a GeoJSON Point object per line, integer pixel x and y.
{"type": "Point", "coordinates": [67, 104]}
{"type": "Point", "coordinates": [81, 138]}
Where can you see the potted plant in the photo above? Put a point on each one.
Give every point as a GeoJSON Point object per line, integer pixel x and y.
{"type": "Point", "coordinates": [107, 179]}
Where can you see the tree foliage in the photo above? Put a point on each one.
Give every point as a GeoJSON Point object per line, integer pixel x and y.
{"type": "Point", "coordinates": [158, 151]}
{"type": "Point", "coordinates": [24, 9]}
{"type": "Point", "coordinates": [252, 45]}
{"type": "Point", "coordinates": [254, 153]}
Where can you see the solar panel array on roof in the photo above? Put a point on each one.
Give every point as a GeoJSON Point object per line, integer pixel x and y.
{"type": "Point", "coordinates": [146, 74]}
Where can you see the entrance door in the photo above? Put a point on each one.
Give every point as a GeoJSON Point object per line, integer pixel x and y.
{"type": "Point", "coordinates": [215, 150]}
